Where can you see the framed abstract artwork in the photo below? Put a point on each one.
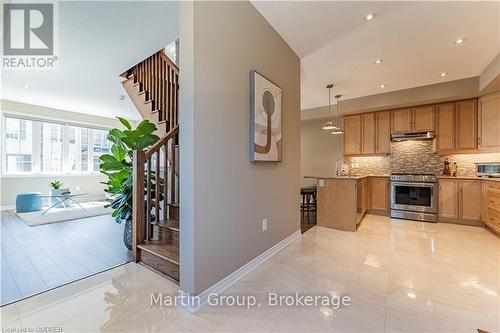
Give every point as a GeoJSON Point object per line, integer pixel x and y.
{"type": "Point", "coordinates": [265, 119]}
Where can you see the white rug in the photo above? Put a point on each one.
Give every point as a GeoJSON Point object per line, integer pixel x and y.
{"type": "Point", "coordinates": [92, 208]}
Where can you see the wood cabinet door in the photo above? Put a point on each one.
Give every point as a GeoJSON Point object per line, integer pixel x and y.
{"type": "Point", "coordinates": [445, 127]}
{"type": "Point", "coordinates": [484, 201]}
{"type": "Point", "coordinates": [383, 132]}
{"type": "Point", "coordinates": [352, 135]}
{"type": "Point", "coordinates": [448, 198]}
{"type": "Point", "coordinates": [364, 196]}
{"type": "Point", "coordinates": [401, 121]}
{"type": "Point", "coordinates": [466, 122]}
{"type": "Point", "coordinates": [489, 123]}
{"type": "Point", "coordinates": [423, 119]}
{"type": "Point", "coordinates": [470, 200]}
{"type": "Point", "coordinates": [379, 194]}
{"type": "Point", "coordinates": [368, 133]}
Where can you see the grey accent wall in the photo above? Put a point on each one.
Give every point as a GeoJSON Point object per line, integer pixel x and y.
{"type": "Point", "coordinates": [319, 150]}
{"type": "Point", "coordinates": [224, 197]}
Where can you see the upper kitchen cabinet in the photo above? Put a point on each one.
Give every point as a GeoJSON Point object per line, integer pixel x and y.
{"type": "Point", "coordinates": [419, 119]}
{"type": "Point", "coordinates": [457, 127]}
{"type": "Point", "coordinates": [383, 132]}
{"type": "Point", "coordinates": [445, 127]}
{"type": "Point", "coordinates": [401, 121]}
{"type": "Point", "coordinates": [466, 112]}
{"type": "Point", "coordinates": [352, 135]}
{"type": "Point", "coordinates": [368, 133]}
{"type": "Point", "coordinates": [489, 123]}
{"type": "Point", "coordinates": [423, 119]}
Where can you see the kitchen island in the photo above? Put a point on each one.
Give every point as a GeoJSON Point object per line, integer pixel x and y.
{"type": "Point", "coordinates": [342, 201]}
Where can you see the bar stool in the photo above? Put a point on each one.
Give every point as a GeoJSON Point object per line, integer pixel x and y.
{"type": "Point", "coordinates": [308, 204]}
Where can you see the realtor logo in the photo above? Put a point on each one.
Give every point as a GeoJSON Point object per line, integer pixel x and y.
{"type": "Point", "coordinates": [29, 32]}
{"type": "Point", "coordinates": [28, 29]}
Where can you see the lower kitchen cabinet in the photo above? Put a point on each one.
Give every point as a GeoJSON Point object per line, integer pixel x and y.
{"type": "Point", "coordinates": [460, 201]}
{"type": "Point", "coordinates": [379, 195]}
{"type": "Point", "coordinates": [491, 193]}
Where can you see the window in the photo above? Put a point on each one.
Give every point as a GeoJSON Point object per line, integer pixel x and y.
{"type": "Point", "coordinates": [101, 146]}
{"type": "Point", "coordinates": [51, 148]}
{"type": "Point", "coordinates": [78, 151]}
{"type": "Point", "coordinates": [18, 146]}
{"type": "Point", "coordinates": [32, 147]}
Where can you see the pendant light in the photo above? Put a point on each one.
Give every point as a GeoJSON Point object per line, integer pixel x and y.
{"type": "Point", "coordinates": [329, 124]}
{"type": "Point", "coordinates": [338, 129]}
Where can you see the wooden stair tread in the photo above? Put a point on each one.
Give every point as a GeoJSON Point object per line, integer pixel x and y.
{"type": "Point", "coordinates": [165, 251]}
{"type": "Point", "coordinates": [169, 223]}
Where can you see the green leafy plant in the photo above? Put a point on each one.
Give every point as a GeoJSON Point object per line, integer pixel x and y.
{"type": "Point", "coordinates": [117, 166]}
{"type": "Point", "coordinates": [56, 184]}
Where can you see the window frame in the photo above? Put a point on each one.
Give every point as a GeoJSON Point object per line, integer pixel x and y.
{"type": "Point", "coordinates": [36, 142]}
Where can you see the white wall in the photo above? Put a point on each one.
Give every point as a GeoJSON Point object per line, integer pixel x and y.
{"type": "Point", "coordinates": [88, 183]}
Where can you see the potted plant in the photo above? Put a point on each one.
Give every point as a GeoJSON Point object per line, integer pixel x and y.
{"type": "Point", "coordinates": [56, 192]}
{"type": "Point", "coordinates": [117, 166]}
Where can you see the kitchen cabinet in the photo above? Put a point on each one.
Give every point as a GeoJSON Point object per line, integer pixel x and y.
{"type": "Point", "coordinates": [460, 199]}
{"type": "Point", "coordinates": [379, 195]}
{"type": "Point", "coordinates": [418, 119]}
{"type": "Point", "coordinates": [448, 198]}
{"type": "Point", "coordinates": [352, 135]}
{"type": "Point", "coordinates": [457, 127]}
{"type": "Point", "coordinates": [401, 121]}
{"type": "Point", "coordinates": [484, 201]}
{"type": "Point", "coordinates": [488, 123]}
{"type": "Point", "coordinates": [492, 219]}
{"type": "Point", "coordinates": [383, 132]}
{"type": "Point", "coordinates": [466, 113]}
{"type": "Point", "coordinates": [368, 133]}
{"type": "Point", "coordinates": [445, 127]}
{"type": "Point", "coordinates": [469, 200]}
{"type": "Point", "coordinates": [423, 119]}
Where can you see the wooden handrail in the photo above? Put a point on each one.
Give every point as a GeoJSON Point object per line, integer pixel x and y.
{"type": "Point", "coordinates": [163, 141]}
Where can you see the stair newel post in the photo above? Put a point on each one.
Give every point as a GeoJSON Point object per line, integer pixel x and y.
{"type": "Point", "coordinates": [148, 198]}
{"type": "Point", "coordinates": [138, 201]}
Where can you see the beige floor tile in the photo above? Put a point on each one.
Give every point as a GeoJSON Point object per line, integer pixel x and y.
{"type": "Point", "coordinates": [401, 276]}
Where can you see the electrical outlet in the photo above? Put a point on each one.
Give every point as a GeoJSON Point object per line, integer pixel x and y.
{"type": "Point", "coordinates": [77, 188]}
{"type": "Point", "coordinates": [264, 225]}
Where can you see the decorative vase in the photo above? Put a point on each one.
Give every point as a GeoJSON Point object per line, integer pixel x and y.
{"type": "Point", "coordinates": [55, 197]}
{"type": "Point", "coordinates": [127, 234]}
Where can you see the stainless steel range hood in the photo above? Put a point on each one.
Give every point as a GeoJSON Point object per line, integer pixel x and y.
{"type": "Point", "coordinates": [412, 136]}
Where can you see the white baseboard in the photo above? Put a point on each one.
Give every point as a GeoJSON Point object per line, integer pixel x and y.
{"type": "Point", "coordinates": [8, 207]}
{"type": "Point", "coordinates": [194, 303]}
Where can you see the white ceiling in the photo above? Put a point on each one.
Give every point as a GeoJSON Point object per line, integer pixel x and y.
{"type": "Point", "coordinates": [414, 39]}
{"type": "Point", "coordinates": [97, 41]}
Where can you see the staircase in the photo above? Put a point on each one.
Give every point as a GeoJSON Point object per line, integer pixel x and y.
{"type": "Point", "coordinates": [153, 86]}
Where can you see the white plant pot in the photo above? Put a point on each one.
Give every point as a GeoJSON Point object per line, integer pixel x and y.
{"type": "Point", "coordinates": [54, 200]}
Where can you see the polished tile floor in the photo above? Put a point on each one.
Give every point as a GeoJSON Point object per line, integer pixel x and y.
{"type": "Point", "coordinates": [401, 276]}
{"type": "Point", "coordinates": [38, 258]}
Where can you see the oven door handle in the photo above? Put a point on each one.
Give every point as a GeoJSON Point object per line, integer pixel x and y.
{"type": "Point", "coordinates": [409, 184]}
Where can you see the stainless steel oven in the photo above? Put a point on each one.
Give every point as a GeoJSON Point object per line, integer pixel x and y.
{"type": "Point", "coordinates": [414, 197]}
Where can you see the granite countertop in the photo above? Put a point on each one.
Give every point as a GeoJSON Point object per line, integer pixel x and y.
{"type": "Point", "coordinates": [470, 177]}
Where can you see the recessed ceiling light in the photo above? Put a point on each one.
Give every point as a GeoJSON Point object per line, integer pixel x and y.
{"type": "Point", "coordinates": [370, 16]}
{"type": "Point", "coordinates": [378, 61]}
{"type": "Point", "coordinates": [460, 40]}
{"type": "Point", "coordinates": [444, 74]}
{"type": "Point", "coordinates": [382, 86]}
{"type": "Point", "coordinates": [26, 86]}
